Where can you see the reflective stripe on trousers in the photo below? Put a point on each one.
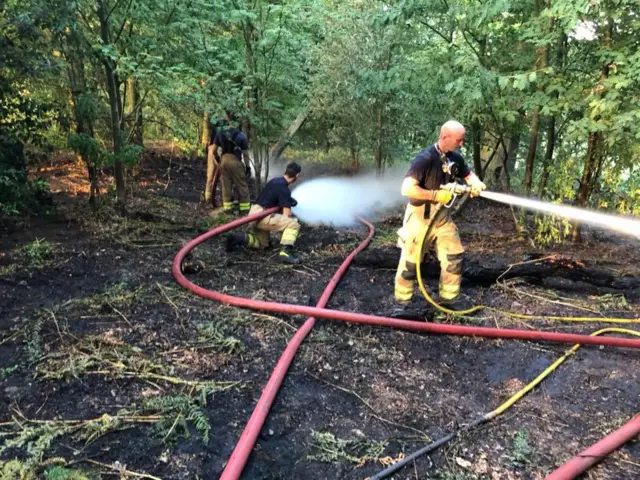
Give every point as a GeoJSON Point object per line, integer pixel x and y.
{"type": "Point", "coordinates": [276, 222]}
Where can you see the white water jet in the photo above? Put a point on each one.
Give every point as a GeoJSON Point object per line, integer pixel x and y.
{"type": "Point", "coordinates": [626, 225]}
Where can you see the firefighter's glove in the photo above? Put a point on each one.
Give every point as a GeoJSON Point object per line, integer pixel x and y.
{"type": "Point", "coordinates": [294, 202]}
{"type": "Point", "coordinates": [247, 172]}
{"type": "Point", "coordinates": [442, 196]}
{"type": "Point", "coordinates": [476, 185]}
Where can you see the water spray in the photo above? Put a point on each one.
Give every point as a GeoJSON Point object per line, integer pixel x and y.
{"type": "Point", "coordinates": [339, 200]}
{"type": "Point", "coordinates": [612, 222]}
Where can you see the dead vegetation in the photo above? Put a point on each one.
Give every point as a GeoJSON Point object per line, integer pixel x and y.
{"type": "Point", "coordinates": [107, 367]}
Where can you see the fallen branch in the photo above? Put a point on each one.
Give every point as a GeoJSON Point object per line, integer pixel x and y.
{"type": "Point", "coordinates": [121, 469]}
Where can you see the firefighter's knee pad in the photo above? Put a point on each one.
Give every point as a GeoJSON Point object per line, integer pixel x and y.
{"type": "Point", "coordinates": [454, 263]}
{"type": "Point", "coordinates": [409, 273]}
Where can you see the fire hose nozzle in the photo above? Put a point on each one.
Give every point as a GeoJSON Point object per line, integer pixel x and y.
{"type": "Point", "coordinates": [455, 189]}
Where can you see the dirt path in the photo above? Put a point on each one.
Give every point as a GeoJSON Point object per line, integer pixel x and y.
{"type": "Point", "coordinates": [94, 329]}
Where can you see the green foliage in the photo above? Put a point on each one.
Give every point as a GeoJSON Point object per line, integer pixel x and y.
{"type": "Point", "coordinates": [130, 154]}
{"type": "Point", "coordinates": [61, 473]}
{"type": "Point", "coordinates": [378, 79]}
{"type": "Point", "coordinates": [8, 370]}
{"type": "Point", "coordinates": [326, 447]}
{"type": "Point", "coordinates": [38, 251]}
{"type": "Point", "coordinates": [612, 301]}
{"type": "Point", "coordinates": [520, 454]}
{"type": "Point", "coordinates": [180, 409]}
{"type": "Point", "coordinates": [18, 194]}
{"type": "Point", "coordinates": [33, 346]}
{"type": "Point", "coordinates": [212, 334]}
{"type": "Point", "coordinates": [16, 470]}
{"type": "Point", "coordinates": [550, 229]}
{"type": "Point", "coordinates": [87, 147]}
{"type": "Point", "coordinates": [34, 440]}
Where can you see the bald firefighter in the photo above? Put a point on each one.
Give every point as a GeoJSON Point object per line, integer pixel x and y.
{"type": "Point", "coordinates": [435, 166]}
{"type": "Point", "coordinates": [276, 193]}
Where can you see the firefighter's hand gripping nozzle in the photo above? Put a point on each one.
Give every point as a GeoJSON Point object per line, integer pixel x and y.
{"type": "Point", "coordinates": [454, 189]}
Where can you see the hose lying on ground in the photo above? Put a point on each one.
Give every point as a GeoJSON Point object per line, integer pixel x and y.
{"type": "Point", "coordinates": [241, 453]}
{"type": "Point", "coordinates": [596, 452]}
{"type": "Point", "coordinates": [501, 409]}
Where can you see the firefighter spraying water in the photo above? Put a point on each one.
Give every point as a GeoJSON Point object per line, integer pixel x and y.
{"type": "Point", "coordinates": [431, 186]}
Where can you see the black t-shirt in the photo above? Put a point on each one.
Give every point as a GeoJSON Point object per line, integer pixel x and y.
{"type": "Point", "coordinates": [427, 168]}
{"type": "Point", "coordinates": [232, 140]}
{"type": "Point", "coordinates": [276, 193]}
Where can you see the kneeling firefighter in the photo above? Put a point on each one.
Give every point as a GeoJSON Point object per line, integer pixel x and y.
{"type": "Point", "coordinates": [434, 167]}
{"type": "Point", "coordinates": [276, 193]}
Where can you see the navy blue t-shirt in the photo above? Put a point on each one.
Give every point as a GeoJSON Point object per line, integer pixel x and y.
{"type": "Point", "coordinates": [427, 168]}
{"type": "Point", "coordinates": [276, 193]}
{"type": "Point", "coordinates": [232, 140]}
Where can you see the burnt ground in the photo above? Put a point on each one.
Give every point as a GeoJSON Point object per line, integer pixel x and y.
{"type": "Point", "coordinates": [108, 367]}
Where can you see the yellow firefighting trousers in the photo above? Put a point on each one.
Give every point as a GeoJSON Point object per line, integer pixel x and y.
{"type": "Point", "coordinates": [448, 249]}
{"type": "Point", "coordinates": [233, 175]}
{"type": "Point", "coordinates": [276, 222]}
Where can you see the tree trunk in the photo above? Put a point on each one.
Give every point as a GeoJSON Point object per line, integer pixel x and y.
{"type": "Point", "coordinates": [548, 156]}
{"type": "Point", "coordinates": [112, 92]}
{"type": "Point", "coordinates": [508, 155]}
{"type": "Point", "coordinates": [595, 144]}
{"type": "Point", "coordinates": [84, 124]}
{"type": "Point", "coordinates": [379, 143]}
{"type": "Point", "coordinates": [285, 138]}
{"type": "Point", "coordinates": [204, 132]}
{"type": "Point", "coordinates": [541, 62]}
{"type": "Point", "coordinates": [477, 147]}
{"type": "Point", "coordinates": [531, 152]}
{"type": "Point", "coordinates": [135, 111]}
{"type": "Point", "coordinates": [353, 154]}
{"type": "Point", "coordinates": [551, 123]}
{"type": "Point", "coordinates": [593, 158]}
{"type": "Point", "coordinates": [476, 128]}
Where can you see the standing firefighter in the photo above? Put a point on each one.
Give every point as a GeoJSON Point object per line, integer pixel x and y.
{"type": "Point", "coordinates": [435, 166]}
{"type": "Point", "coordinates": [276, 193]}
{"type": "Point", "coordinates": [234, 146]}
{"type": "Point", "coordinates": [212, 158]}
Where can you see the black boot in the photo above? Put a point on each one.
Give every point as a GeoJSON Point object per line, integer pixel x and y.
{"type": "Point", "coordinates": [190, 266]}
{"type": "Point", "coordinates": [458, 304]}
{"type": "Point", "coordinates": [411, 310]}
{"type": "Point", "coordinates": [236, 240]}
{"type": "Point", "coordinates": [286, 255]}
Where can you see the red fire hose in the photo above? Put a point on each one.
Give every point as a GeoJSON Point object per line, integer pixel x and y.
{"type": "Point", "coordinates": [596, 452]}
{"type": "Point", "coordinates": [243, 449]}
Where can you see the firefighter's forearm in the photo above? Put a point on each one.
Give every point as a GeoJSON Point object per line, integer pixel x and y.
{"type": "Point", "coordinates": [417, 193]}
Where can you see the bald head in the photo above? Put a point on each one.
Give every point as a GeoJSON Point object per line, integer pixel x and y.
{"type": "Point", "coordinates": [451, 136]}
